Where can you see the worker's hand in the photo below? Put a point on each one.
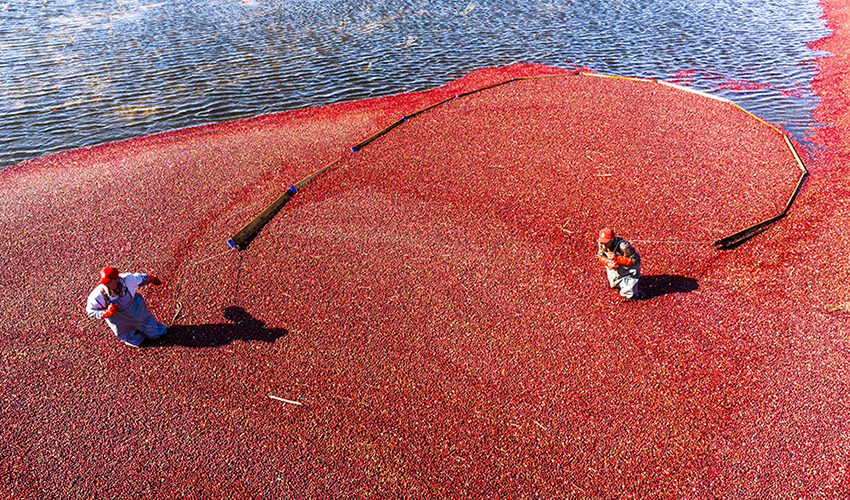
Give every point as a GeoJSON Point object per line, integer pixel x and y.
{"type": "Point", "coordinates": [109, 311]}
{"type": "Point", "coordinates": [154, 280]}
{"type": "Point", "coordinates": [609, 263]}
{"type": "Point", "coordinates": [610, 255]}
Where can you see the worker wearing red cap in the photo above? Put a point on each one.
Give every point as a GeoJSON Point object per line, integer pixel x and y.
{"type": "Point", "coordinates": [622, 263]}
{"type": "Point", "coordinates": [116, 300]}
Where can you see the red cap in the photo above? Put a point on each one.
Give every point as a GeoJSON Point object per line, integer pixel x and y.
{"type": "Point", "coordinates": [107, 274]}
{"type": "Point", "coordinates": [605, 235]}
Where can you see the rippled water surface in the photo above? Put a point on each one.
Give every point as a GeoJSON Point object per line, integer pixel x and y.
{"type": "Point", "coordinates": [81, 72]}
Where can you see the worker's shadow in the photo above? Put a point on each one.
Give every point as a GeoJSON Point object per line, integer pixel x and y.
{"type": "Point", "coordinates": [242, 327]}
{"type": "Point", "coordinates": [656, 285]}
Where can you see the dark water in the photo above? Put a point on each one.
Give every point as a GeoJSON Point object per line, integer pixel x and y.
{"type": "Point", "coordinates": [82, 72]}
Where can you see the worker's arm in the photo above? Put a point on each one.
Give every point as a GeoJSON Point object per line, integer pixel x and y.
{"type": "Point", "coordinates": [628, 256]}
{"type": "Point", "coordinates": [134, 280]}
{"type": "Point", "coordinates": [146, 279]}
{"type": "Point", "coordinates": [96, 306]}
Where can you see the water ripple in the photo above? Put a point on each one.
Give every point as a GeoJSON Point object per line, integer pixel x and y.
{"type": "Point", "coordinates": [75, 73]}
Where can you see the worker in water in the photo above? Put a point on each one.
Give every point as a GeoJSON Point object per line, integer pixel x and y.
{"type": "Point", "coordinates": [622, 263]}
{"type": "Point", "coordinates": [117, 300]}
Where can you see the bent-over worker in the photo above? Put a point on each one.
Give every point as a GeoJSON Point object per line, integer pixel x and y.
{"type": "Point", "coordinates": [622, 263]}
{"type": "Point", "coordinates": [116, 299]}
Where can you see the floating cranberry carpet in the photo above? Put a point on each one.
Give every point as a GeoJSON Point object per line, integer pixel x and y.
{"type": "Point", "coordinates": [426, 318]}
